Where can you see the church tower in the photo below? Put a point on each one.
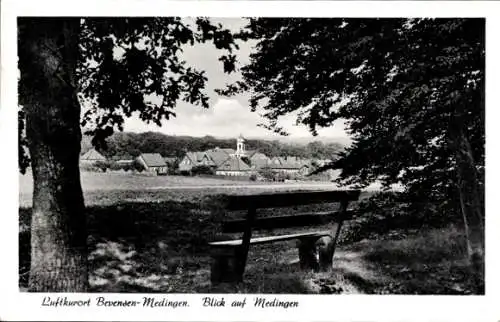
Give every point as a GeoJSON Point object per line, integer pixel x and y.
{"type": "Point", "coordinates": [240, 146]}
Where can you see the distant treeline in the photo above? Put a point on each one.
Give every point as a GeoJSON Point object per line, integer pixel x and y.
{"type": "Point", "coordinates": [126, 145]}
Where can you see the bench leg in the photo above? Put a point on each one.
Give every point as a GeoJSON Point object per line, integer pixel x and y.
{"type": "Point", "coordinates": [240, 263]}
{"type": "Point", "coordinates": [225, 266]}
{"type": "Point", "coordinates": [326, 248]}
{"type": "Point", "coordinates": [308, 254]}
{"type": "Point", "coordinates": [316, 253]}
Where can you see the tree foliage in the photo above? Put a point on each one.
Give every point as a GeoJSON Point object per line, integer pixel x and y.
{"type": "Point", "coordinates": [112, 67]}
{"type": "Point", "coordinates": [125, 145]}
{"type": "Point", "coordinates": [411, 90]}
{"type": "Point", "coordinates": [401, 84]}
{"type": "Point", "coordinates": [127, 66]}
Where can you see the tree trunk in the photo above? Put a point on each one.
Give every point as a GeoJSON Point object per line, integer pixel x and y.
{"type": "Point", "coordinates": [471, 202]}
{"type": "Point", "coordinates": [48, 51]}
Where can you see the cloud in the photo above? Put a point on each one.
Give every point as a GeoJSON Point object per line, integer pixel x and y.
{"type": "Point", "coordinates": [226, 118]}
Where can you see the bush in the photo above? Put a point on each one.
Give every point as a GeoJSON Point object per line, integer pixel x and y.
{"type": "Point", "coordinates": [102, 165]}
{"type": "Point", "coordinates": [384, 212]}
{"type": "Point", "coordinates": [267, 174]}
{"type": "Point", "coordinates": [88, 167]}
{"type": "Point", "coordinates": [137, 166]}
{"type": "Point", "coordinates": [115, 166]}
{"type": "Point", "coordinates": [253, 177]}
{"type": "Point", "coordinates": [203, 169]}
{"type": "Point", "coordinates": [282, 176]}
{"type": "Point", "coordinates": [321, 176]}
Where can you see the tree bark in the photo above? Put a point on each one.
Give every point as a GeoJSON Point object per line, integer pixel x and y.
{"type": "Point", "coordinates": [48, 53]}
{"type": "Point", "coordinates": [471, 202]}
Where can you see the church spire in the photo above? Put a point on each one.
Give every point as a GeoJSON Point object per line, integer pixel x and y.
{"type": "Point", "coordinates": [240, 146]}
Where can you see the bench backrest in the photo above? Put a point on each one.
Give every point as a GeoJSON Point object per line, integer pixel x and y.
{"type": "Point", "coordinates": [287, 199]}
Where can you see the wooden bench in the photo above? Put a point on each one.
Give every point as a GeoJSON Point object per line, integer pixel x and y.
{"type": "Point", "coordinates": [229, 257]}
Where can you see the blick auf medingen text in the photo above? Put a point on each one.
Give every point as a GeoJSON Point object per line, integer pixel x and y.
{"type": "Point", "coordinates": [153, 302]}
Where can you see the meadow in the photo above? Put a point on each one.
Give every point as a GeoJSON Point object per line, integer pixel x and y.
{"type": "Point", "coordinates": [150, 234]}
{"type": "Point", "coordinates": [110, 188]}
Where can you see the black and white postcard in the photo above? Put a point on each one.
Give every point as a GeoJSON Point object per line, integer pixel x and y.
{"type": "Point", "coordinates": [233, 161]}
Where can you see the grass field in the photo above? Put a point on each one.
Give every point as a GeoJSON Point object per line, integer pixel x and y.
{"type": "Point", "coordinates": [109, 188]}
{"type": "Point", "coordinates": [150, 234]}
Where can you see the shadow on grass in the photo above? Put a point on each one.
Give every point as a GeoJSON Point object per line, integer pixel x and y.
{"type": "Point", "coordinates": [132, 245]}
{"type": "Point", "coordinates": [149, 247]}
{"type": "Point", "coordinates": [154, 247]}
{"type": "Point", "coordinates": [433, 262]}
{"type": "Point", "coordinates": [271, 278]}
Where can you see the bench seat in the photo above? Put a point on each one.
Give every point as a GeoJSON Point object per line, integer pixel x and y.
{"type": "Point", "coordinates": [269, 239]}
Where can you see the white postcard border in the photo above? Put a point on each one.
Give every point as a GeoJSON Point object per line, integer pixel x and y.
{"type": "Point", "coordinates": [23, 306]}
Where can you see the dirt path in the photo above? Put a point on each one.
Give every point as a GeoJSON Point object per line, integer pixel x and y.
{"type": "Point", "coordinates": [355, 275]}
{"type": "Point", "coordinates": [350, 274]}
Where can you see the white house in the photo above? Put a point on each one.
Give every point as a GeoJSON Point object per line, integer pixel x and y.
{"type": "Point", "coordinates": [153, 162]}
{"type": "Point", "coordinates": [91, 157]}
{"type": "Point", "coordinates": [193, 159]}
{"type": "Point", "coordinates": [234, 166]}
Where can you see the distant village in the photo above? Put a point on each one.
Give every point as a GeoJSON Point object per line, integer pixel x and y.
{"type": "Point", "coordinates": [238, 162]}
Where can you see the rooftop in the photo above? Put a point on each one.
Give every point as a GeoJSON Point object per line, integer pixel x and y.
{"type": "Point", "coordinates": [217, 155]}
{"type": "Point", "coordinates": [234, 164]}
{"type": "Point", "coordinates": [153, 160]}
{"type": "Point", "coordinates": [93, 155]}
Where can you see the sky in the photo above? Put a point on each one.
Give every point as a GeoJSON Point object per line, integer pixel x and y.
{"type": "Point", "coordinates": [227, 116]}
